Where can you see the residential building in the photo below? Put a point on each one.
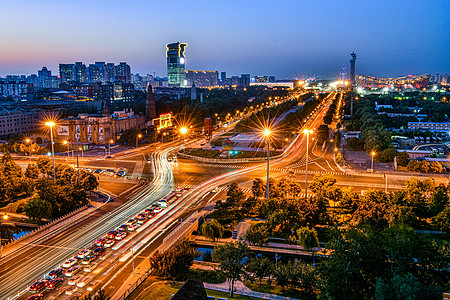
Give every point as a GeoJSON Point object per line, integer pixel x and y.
{"type": "Point", "coordinates": [80, 72]}
{"type": "Point", "coordinates": [202, 78]}
{"type": "Point", "coordinates": [20, 120]}
{"type": "Point", "coordinates": [66, 73]}
{"type": "Point", "coordinates": [432, 126]}
{"type": "Point", "coordinates": [122, 72]}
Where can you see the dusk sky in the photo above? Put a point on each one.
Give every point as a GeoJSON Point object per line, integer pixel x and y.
{"type": "Point", "coordinates": [281, 38]}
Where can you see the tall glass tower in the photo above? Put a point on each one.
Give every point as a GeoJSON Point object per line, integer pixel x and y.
{"type": "Point", "coordinates": [176, 70]}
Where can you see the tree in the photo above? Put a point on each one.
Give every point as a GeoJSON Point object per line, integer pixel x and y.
{"type": "Point", "coordinates": [45, 165]}
{"type": "Point", "coordinates": [37, 209]}
{"type": "Point", "coordinates": [232, 260]}
{"type": "Point", "coordinates": [387, 155]}
{"type": "Point", "coordinates": [435, 167]}
{"type": "Point", "coordinates": [174, 262]}
{"type": "Point", "coordinates": [260, 267]}
{"type": "Point", "coordinates": [257, 234]}
{"type": "Point", "coordinates": [258, 188]}
{"type": "Point", "coordinates": [405, 287]}
{"type": "Point", "coordinates": [402, 159]}
{"type": "Point", "coordinates": [442, 221]}
{"type": "Point", "coordinates": [212, 229]}
{"type": "Point", "coordinates": [101, 295]}
{"type": "Point", "coordinates": [307, 238]}
{"type": "Point", "coordinates": [32, 171]}
{"type": "Point", "coordinates": [321, 182]}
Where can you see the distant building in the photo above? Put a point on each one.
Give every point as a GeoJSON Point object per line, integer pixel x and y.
{"type": "Point", "coordinates": [94, 73]}
{"type": "Point", "coordinates": [431, 126]}
{"type": "Point", "coordinates": [80, 72]}
{"type": "Point", "coordinates": [245, 80]}
{"type": "Point", "coordinates": [123, 72]}
{"type": "Point", "coordinates": [202, 78]}
{"type": "Point", "coordinates": [15, 89]}
{"type": "Point", "coordinates": [410, 81]}
{"type": "Point", "coordinates": [284, 84]}
{"type": "Point", "coordinates": [46, 80]}
{"type": "Point", "coordinates": [20, 121]}
{"type": "Point", "coordinates": [150, 106]}
{"type": "Point", "coordinates": [176, 69]}
{"type": "Point", "coordinates": [193, 92]}
{"type": "Point", "coordinates": [66, 73]}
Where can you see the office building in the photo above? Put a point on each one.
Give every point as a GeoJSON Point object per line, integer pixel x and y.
{"type": "Point", "coordinates": [176, 68]}
{"type": "Point", "coordinates": [202, 78]}
{"type": "Point", "coordinates": [352, 68]}
{"type": "Point", "coordinates": [123, 72]}
{"type": "Point", "coordinates": [80, 72]}
{"type": "Point", "coordinates": [66, 73]}
{"type": "Point", "coordinates": [20, 121]}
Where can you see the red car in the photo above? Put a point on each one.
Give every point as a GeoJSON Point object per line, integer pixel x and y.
{"type": "Point", "coordinates": [51, 284]}
{"type": "Point", "coordinates": [38, 285]}
{"type": "Point", "coordinates": [36, 297]}
{"type": "Point", "coordinates": [111, 234]}
{"type": "Point", "coordinates": [100, 242]}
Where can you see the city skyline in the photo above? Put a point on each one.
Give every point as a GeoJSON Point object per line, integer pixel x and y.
{"type": "Point", "coordinates": [285, 40]}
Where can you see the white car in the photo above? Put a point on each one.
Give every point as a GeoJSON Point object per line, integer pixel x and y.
{"type": "Point", "coordinates": [74, 280]}
{"type": "Point", "coordinates": [91, 267]}
{"type": "Point", "coordinates": [90, 287]}
{"type": "Point", "coordinates": [71, 291]}
{"type": "Point", "coordinates": [132, 227]}
{"type": "Point", "coordinates": [157, 210]}
{"type": "Point", "coordinates": [83, 253]}
{"type": "Point", "coordinates": [69, 263]}
{"type": "Point", "coordinates": [82, 282]}
{"type": "Point", "coordinates": [109, 243]}
{"type": "Point", "coordinates": [120, 236]}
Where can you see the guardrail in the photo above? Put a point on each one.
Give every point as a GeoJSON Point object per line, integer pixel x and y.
{"type": "Point", "coordinates": [135, 285]}
{"type": "Point", "coordinates": [228, 160]}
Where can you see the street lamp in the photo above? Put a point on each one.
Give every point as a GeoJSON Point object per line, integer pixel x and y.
{"type": "Point", "coordinates": [51, 124]}
{"type": "Point", "coordinates": [28, 141]}
{"type": "Point", "coordinates": [67, 143]}
{"type": "Point", "coordinates": [372, 154]}
{"type": "Point", "coordinates": [137, 139]}
{"type": "Point", "coordinates": [5, 217]}
{"type": "Point", "coordinates": [266, 133]}
{"type": "Point", "coordinates": [307, 132]}
{"type": "Point", "coordinates": [82, 152]}
{"type": "Point", "coordinates": [110, 142]}
{"type": "Point", "coordinates": [183, 131]}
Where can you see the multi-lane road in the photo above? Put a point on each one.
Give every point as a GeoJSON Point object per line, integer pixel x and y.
{"type": "Point", "coordinates": [19, 270]}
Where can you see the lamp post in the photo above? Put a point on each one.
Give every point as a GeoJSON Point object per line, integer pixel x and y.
{"type": "Point", "coordinates": [67, 143]}
{"type": "Point", "coordinates": [5, 217]}
{"type": "Point", "coordinates": [266, 133]}
{"type": "Point", "coordinates": [110, 142]}
{"type": "Point", "coordinates": [82, 152]}
{"type": "Point", "coordinates": [372, 154]}
{"type": "Point", "coordinates": [307, 132]}
{"type": "Point", "coordinates": [51, 124]}
{"type": "Point", "coordinates": [28, 141]}
{"type": "Point", "coordinates": [137, 139]}
{"type": "Point", "coordinates": [183, 131]}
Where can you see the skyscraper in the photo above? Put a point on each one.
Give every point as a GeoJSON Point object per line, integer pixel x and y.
{"type": "Point", "coordinates": [93, 73]}
{"type": "Point", "coordinates": [66, 73]}
{"type": "Point", "coordinates": [352, 68]}
{"type": "Point", "coordinates": [176, 69]}
{"type": "Point", "coordinates": [80, 72]}
{"type": "Point", "coordinates": [123, 72]}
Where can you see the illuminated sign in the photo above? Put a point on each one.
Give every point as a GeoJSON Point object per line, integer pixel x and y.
{"type": "Point", "coordinates": [165, 121]}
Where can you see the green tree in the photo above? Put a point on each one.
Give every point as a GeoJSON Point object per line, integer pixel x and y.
{"type": "Point", "coordinates": [442, 221]}
{"type": "Point", "coordinates": [260, 267]}
{"type": "Point", "coordinates": [307, 238]}
{"type": "Point", "coordinates": [174, 262]}
{"type": "Point", "coordinates": [402, 159]}
{"type": "Point", "coordinates": [232, 260]}
{"type": "Point", "coordinates": [212, 229]}
{"type": "Point", "coordinates": [45, 165]}
{"type": "Point", "coordinates": [320, 183]}
{"type": "Point", "coordinates": [257, 234]}
{"type": "Point", "coordinates": [258, 188]}
{"type": "Point", "coordinates": [37, 209]}
{"type": "Point", "coordinates": [32, 171]}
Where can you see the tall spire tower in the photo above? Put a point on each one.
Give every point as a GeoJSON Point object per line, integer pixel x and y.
{"type": "Point", "coordinates": [352, 68]}
{"type": "Point", "coordinates": [150, 106]}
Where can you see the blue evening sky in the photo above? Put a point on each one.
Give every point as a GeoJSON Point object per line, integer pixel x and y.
{"type": "Point", "coordinates": [281, 38]}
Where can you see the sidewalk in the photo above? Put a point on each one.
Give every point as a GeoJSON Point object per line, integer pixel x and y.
{"type": "Point", "coordinates": [241, 289]}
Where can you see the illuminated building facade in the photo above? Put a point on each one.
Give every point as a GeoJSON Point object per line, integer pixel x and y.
{"type": "Point", "coordinates": [202, 78]}
{"type": "Point", "coordinates": [410, 81]}
{"type": "Point", "coordinates": [176, 68]}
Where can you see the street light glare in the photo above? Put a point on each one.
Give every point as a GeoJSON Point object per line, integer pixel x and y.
{"type": "Point", "coordinates": [373, 153]}
{"type": "Point", "coordinates": [5, 217]}
{"type": "Point", "coordinates": [50, 123]}
{"type": "Point", "coordinates": [266, 132]}
{"type": "Point", "coordinates": [306, 131]}
{"type": "Point", "coordinates": [183, 130]}
{"type": "Point", "coordinates": [27, 140]}
{"type": "Point", "coordinates": [65, 142]}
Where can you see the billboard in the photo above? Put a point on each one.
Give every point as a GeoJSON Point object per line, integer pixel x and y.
{"type": "Point", "coordinates": [62, 130]}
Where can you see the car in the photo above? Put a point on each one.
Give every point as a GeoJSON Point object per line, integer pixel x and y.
{"type": "Point", "coordinates": [51, 284]}
{"type": "Point", "coordinates": [83, 253]}
{"type": "Point", "coordinates": [82, 282]}
{"type": "Point", "coordinates": [142, 221]}
{"type": "Point", "coordinates": [55, 273]}
{"type": "Point", "coordinates": [111, 234]}
{"type": "Point", "coordinates": [73, 271]}
{"type": "Point", "coordinates": [37, 286]}
{"type": "Point", "coordinates": [100, 242]}
{"type": "Point", "coordinates": [157, 210]}
{"type": "Point", "coordinates": [91, 267]}
{"type": "Point", "coordinates": [110, 170]}
{"type": "Point", "coordinates": [122, 227]}
{"type": "Point", "coordinates": [108, 156]}
{"type": "Point", "coordinates": [121, 235]}
{"type": "Point", "coordinates": [178, 189]}
{"type": "Point", "coordinates": [36, 297]}
{"type": "Point", "coordinates": [91, 286]}
{"type": "Point", "coordinates": [169, 158]}
{"type": "Point", "coordinates": [74, 280]}
{"type": "Point", "coordinates": [99, 171]}
{"type": "Point", "coordinates": [121, 173]}
{"type": "Point", "coordinates": [69, 263]}
{"type": "Point", "coordinates": [130, 222]}
{"type": "Point", "coordinates": [162, 203]}
{"type": "Point", "coordinates": [109, 243]}
{"type": "Point", "coordinates": [132, 227]}
{"type": "Point", "coordinates": [71, 290]}
{"type": "Point", "coordinates": [148, 212]}
{"type": "Point", "coordinates": [88, 259]}
{"type": "Point", "coordinates": [99, 251]}
{"type": "Point", "coordinates": [175, 159]}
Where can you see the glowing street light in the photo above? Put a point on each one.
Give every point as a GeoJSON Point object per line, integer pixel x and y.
{"type": "Point", "coordinates": [307, 132]}
{"type": "Point", "coordinates": [266, 132]}
{"type": "Point", "coordinates": [67, 143]}
{"type": "Point", "coordinates": [111, 141]}
{"type": "Point", "coordinates": [5, 218]}
{"type": "Point", "coordinates": [28, 141]}
{"type": "Point", "coordinates": [51, 124]}
{"type": "Point", "coordinates": [137, 139]}
{"type": "Point", "coordinates": [372, 154]}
